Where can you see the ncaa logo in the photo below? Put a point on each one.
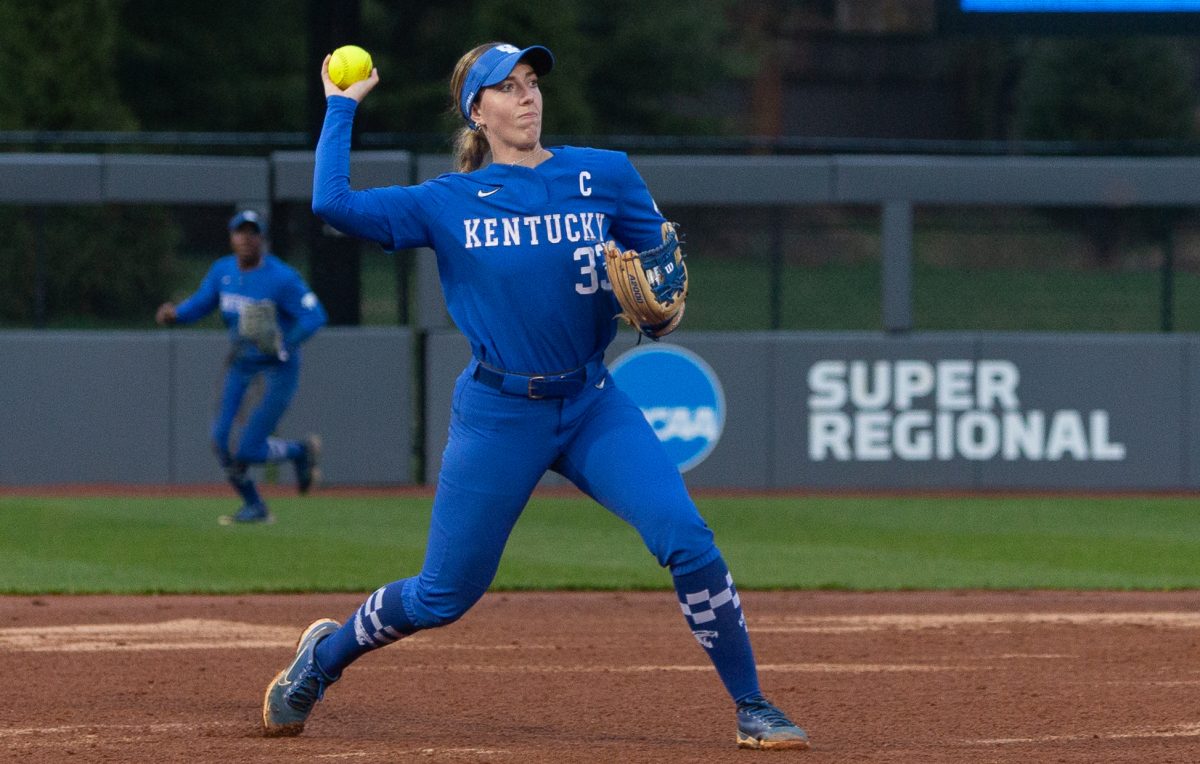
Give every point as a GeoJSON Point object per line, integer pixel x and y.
{"type": "Point", "coordinates": [680, 396]}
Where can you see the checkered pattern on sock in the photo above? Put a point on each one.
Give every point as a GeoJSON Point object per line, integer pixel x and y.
{"type": "Point", "coordinates": [701, 606]}
{"type": "Point", "coordinates": [277, 449]}
{"type": "Point", "coordinates": [379, 621]}
{"type": "Point", "coordinates": [369, 629]}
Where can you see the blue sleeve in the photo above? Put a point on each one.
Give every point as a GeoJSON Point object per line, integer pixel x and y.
{"type": "Point", "coordinates": [392, 216]}
{"type": "Point", "coordinates": [203, 302]}
{"type": "Point", "coordinates": [301, 303]}
{"type": "Point", "coordinates": [638, 223]}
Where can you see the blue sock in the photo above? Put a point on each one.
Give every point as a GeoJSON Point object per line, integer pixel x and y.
{"type": "Point", "coordinates": [714, 613]}
{"type": "Point", "coordinates": [237, 472]}
{"type": "Point", "coordinates": [379, 621]}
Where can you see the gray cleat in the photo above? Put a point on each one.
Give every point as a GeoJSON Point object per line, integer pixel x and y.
{"type": "Point", "coordinates": [763, 726]}
{"type": "Point", "coordinates": [293, 692]}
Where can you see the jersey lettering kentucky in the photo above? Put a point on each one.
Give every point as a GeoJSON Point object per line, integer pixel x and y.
{"type": "Point", "coordinates": [236, 303]}
{"type": "Point", "coordinates": [552, 229]}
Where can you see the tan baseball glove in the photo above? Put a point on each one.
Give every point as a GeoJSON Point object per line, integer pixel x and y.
{"type": "Point", "coordinates": [651, 286]}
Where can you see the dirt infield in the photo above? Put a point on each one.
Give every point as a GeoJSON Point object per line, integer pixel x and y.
{"type": "Point", "coordinates": [586, 677]}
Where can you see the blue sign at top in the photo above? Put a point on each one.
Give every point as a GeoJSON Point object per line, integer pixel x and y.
{"type": "Point", "coordinates": [1079, 6]}
{"type": "Point", "coordinates": [680, 396]}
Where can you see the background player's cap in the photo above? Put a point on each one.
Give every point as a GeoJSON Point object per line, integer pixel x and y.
{"type": "Point", "coordinates": [246, 216]}
{"type": "Point", "coordinates": [497, 63]}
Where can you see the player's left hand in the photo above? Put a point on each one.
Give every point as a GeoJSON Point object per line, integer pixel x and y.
{"type": "Point", "coordinates": [357, 90]}
{"type": "Point", "coordinates": [650, 286]}
{"type": "Point", "coordinates": [275, 349]}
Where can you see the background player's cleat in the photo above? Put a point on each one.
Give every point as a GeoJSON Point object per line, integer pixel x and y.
{"type": "Point", "coordinates": [762, 725]}
{"type": "Point", "coordinates": [293, 692]}
{"type": "Point", "coordinates": [308, 473]}
{"type": "Point", "coordinates": [249, 513]}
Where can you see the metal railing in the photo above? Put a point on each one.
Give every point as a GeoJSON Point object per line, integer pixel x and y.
{"type": "Point", "coordinates": [893, 183]}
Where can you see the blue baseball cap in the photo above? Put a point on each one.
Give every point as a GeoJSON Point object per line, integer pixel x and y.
{"type": "Point", "coordinates": [246, 217]}
{"type": "Point", "coordinates": [494, 65]}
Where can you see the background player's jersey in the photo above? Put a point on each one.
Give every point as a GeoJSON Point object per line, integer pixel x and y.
{"type": "Point", "coordinates": [517, 247]}
{"type": "Point", "coordinates": [225, 286]}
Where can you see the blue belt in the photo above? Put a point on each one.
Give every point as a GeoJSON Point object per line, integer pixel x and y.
{"type": "Point", "coordinates": [535, 386]}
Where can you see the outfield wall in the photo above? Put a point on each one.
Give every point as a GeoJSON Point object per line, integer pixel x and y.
{"type": "Point", "coordinates": [803, 410]}
{"type": "Point", "coordinates": [136, 407]}
{"type": "Point", "coordinates": [937, 410]}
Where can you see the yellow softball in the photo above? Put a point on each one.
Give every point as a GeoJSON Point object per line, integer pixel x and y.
{"type": "Point", "coordinates": [348, 65]}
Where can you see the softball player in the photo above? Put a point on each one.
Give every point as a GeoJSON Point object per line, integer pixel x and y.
{"type": "Point", "coordinates": [269, 312]}
{"type": "Point", "coordinates": [518, 247]}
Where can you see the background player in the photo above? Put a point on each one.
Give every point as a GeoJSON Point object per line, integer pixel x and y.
{"type": "Point", "coordinates": [270, 312]}
{"type": "Point", "coordinates": [518, 246]}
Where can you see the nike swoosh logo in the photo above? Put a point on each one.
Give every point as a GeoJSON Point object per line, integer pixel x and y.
{"type": "Point", "coordinates": [483, 193]}
{"type": "Point", "coordinates": [600, 385]}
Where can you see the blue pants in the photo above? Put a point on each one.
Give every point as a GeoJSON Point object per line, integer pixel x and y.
{"type": "Point", "coordinates": [499, 448]}
{"type": "Point", "coordinates": [281, 381]}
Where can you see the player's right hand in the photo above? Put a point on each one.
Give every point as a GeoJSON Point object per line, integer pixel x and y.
{"type": "Point", "coordinates": [165, 315]}
{"type": "Point", "coordinates": [357, 90]}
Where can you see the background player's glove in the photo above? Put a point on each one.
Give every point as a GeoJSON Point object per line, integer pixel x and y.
{"type": "Point", "coordinates": [651, 286]}
{"type": "Point", "coordinates": [258, 326]}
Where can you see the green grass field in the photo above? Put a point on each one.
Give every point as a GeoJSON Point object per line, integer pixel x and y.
{"type": "Point", "coordinates": [342, 543]}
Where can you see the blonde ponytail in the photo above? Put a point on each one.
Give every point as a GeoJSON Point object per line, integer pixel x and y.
{"type": "Point", "coordinates": [470, 147]}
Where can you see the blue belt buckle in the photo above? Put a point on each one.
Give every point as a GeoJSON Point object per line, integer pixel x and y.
{"type": "Point", "coordinates": [532, 394]}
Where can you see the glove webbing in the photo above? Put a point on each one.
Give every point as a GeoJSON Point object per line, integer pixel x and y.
{"type": "Point", "coordinates": [663, 274]}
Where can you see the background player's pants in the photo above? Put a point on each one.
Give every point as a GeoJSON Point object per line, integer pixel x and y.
{"type": "Point", "coordinates": [281, 381]}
